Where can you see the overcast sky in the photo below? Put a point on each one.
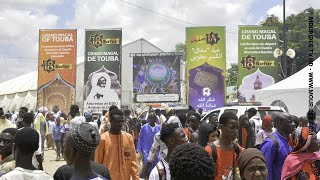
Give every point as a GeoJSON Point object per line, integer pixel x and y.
{"type": "Point", "coordinates": [20, 21]}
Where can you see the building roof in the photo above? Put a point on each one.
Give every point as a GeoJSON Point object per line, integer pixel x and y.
{"type": "Point", "coordinates": [142, 40]}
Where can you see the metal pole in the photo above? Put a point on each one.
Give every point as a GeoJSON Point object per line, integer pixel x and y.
{"type": "Point", "coordinates": [284, 40]}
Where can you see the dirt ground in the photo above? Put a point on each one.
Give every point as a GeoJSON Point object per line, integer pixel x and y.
{"type": "Point", "coordinates": [50, 164]}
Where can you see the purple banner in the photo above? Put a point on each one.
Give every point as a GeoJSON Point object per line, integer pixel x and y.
{"type": "Point", "coordinates": [206, 87]}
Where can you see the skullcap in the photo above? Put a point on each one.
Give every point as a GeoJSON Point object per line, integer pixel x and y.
{"type": "Point", "coordinates": [85, 137]}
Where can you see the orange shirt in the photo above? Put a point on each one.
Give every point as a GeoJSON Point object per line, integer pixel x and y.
{"type": "Point", "coordinates": [117, 152]}
{"type": "Point", "coordinates": [244, 137]}
{"type": "Point", "coordinates": [187, 132]}
{"type": "Point", "coordinates": [224, 163]}
{"type": "Point", "coordinates": [308, 171]}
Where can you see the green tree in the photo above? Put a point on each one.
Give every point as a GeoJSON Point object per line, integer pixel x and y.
{"type": "Point", "coordinates": [180, 47]}
{"type": "Point", "coordinates": [232, 75]}
{"type": "Point", "coordinates": [297, 36]}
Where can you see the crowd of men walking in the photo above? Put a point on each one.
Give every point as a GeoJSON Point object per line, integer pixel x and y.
{"type": "Point", "coordinates": [165, 146]}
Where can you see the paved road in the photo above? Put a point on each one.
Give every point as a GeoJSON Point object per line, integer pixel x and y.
{"type": "Point", "coordinates": [50, 164]}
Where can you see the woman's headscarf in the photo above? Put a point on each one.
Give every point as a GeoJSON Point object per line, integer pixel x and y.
{"type": "Point", "coordinates": [300, 139]}
{"type": "Point", "coordinates": [246, 155]}
{"type": "Point", "coordinates": [204, 130]}
{"type": "Point", "coordinates": [265, 121]}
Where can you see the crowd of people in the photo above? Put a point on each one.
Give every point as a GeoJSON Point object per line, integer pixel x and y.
{"type": "Point", "coordinates": [165, 146]}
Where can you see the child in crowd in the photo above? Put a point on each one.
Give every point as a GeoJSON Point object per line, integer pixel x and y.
{"type": "Point", "coordinates": [56, 130]}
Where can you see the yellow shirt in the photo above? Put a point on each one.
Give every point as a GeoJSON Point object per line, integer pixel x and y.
{"type": "Point", "coordinates": [117, 152]}
{"type": "Point", "coordinates": [7, 164]}
{"type": "Point", "coordinates": [5, 123]}
{"type": "Point", "coordinates": [39, 119]}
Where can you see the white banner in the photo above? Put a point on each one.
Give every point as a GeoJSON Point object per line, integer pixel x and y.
{"type": "Point", "coordinates": [157, 97]}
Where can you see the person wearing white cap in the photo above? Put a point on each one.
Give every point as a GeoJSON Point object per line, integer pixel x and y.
{"type": "Point", "coordinates": [40, 118]}
{"type": "Point", "coordinates": [169, 112]}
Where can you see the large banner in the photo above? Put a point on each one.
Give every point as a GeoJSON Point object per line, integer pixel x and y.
{"type": "Point", "coordinates": [57, 68]}
{"type": "Point", "coordinates": [206, 67]}
{"type": "Point", "coordinates": [258, 68]}
{"type": "Point", "coordinates": [102, 69]}
{"type": "Point", "coordinates": [156, 77]}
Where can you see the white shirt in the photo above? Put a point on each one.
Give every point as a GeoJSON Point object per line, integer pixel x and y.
{"type": "Point", "coordinates": [154, 175]}
{"type": "Point", "coordinates": [157, 145]}
{"type": "Point", "coordinates": [261, 136]}
{"type": "Point", "coordinates": [56, 115]}
{"type": "Point", "coordinates": [25, 174]}
{"type": "Point", "coordinates": [162, 119]}
{"type": "Point", "coordinates": [77, 121]}
{"type": "Point", "coordinates": [94, 124]}
{"type": "Point", "coordinates": [38, 152]}
{"type": "Point", "coordinates": [257, 122]}
{"type": "Point", "coordinates": [50, 126]}
{"type": "Point", "coordinates": [14, 118]}
{"type": "Point", "coordinates": [318, 135]}
{"type": "Point", "coordinates": [152, 127]}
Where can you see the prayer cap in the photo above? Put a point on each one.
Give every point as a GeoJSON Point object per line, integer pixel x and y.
{"type": "Point", "coordinates": [85, 137]}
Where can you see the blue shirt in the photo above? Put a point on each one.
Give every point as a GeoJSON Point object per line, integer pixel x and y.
{"type": "Point", "coordinates": [56, 130]}
{"type": "Point", "coordinates": [145, 142]}
{"type": "Point", "coordinates": [268, 150]}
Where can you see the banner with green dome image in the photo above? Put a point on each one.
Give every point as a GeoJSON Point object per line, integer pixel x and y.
{"type": "Point", "coordinates": [206, 67]}
{"type": "Point", "coordinates": [258, 64]}
{"type": "Point", "coordinates": [156, 77]}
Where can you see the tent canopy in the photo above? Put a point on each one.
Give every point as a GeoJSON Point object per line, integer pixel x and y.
{"type": "Point", "coordinates": [293, 92]}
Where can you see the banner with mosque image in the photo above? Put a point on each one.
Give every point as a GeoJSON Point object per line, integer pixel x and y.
{"type": "Point", "coordinates": [258, 65]}
{"type": "Point", "coordinates": [206, 67]}
{"type": "Point", "coordinates": [57, 68]}
{"type": "Point", "coordinates": [102, 79]}
{"type": "Point", "coordinates": [156, 77]}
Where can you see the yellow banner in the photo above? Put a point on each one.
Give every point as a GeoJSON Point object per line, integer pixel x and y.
{"type": "Point", "coordinates": [64, 66]}
{"type": "Point", "coordinates": [265, 63]}
{"type": "Point", "coordinates": [111, 41]}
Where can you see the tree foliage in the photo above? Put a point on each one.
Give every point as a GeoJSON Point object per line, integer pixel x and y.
{"type": "Point", "coordinates": [297, 35]}
{"type": "Point", "coordinates": [180, 47]}
{"type": "Point", "coordinates": [232, 75]}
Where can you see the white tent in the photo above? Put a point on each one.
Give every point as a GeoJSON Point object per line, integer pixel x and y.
{"type": "Point", "coordinates": [293, 92]}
